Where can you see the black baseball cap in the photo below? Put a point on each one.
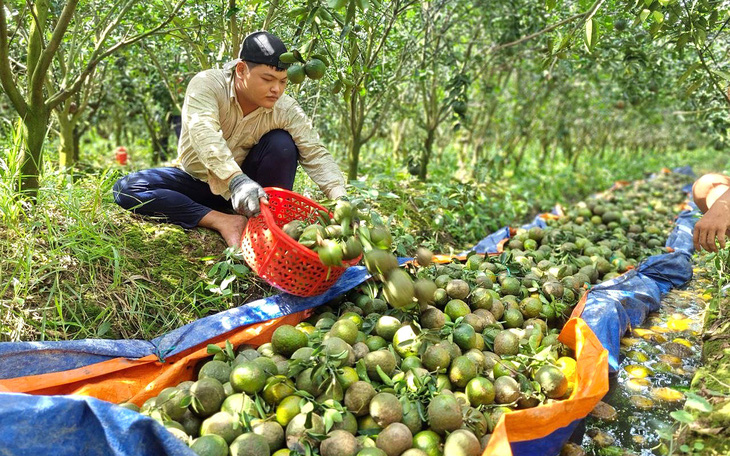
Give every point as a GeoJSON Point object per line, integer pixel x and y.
{"type": "Point", "coordinates": [263, 47]}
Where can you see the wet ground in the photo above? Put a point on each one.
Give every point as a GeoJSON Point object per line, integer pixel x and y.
{"type": "Point", "coordinates": [658, 362]}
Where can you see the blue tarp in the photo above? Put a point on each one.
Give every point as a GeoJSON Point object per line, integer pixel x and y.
{"type": "Point", "coordinates": [76, 426]}
{"type": "Point", "coordinates": [612, 307]}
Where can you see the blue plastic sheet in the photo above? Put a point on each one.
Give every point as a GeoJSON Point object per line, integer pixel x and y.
{"type": "Point", "coordinates": [20, 359]}
{"type": "Point", "coordinates": [680, 239]}
{"type": "Point", "coordinates": [199, 331]}
{"type": "Point", "coordinates": [548, 445]}
{"type": "Point", "coordinates": [613, 306]}
{"type": "Point", "coordinates": [538, 222]}
{"type": "Point", "coordinates": [490, 243]}
{"type": "Point", "coordinates": [75, 426]}
{"type": "Point", "coordinates": [686, 170]}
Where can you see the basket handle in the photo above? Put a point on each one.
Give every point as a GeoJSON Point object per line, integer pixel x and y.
{"type": "Point", "coordinates": [265, 211]}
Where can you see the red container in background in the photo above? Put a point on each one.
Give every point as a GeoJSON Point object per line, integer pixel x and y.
{"type": "Point", "coordinates": [121, 155]}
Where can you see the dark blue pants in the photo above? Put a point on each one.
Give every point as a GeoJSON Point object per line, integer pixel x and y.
{"type": "Point", "coordinates": [177, 197]}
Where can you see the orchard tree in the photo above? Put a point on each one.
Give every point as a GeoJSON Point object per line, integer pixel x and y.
{"type": "Point", "coordinates": [442, 73]}
{"type": "Point", "coordinates": [63, 43]}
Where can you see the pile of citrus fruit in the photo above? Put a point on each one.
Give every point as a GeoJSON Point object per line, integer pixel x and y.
{"type": "Point", "coordinates": [421, 360]}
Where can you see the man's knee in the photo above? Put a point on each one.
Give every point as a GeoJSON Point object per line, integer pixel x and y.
{"type": "Point", "coordinates": [126, 191]}
{"type": "Point", "coordinates": [280, 146]}
{"type": "Point", "coordinates": [704, 185]}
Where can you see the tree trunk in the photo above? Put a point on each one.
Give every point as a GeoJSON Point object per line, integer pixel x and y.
{"type": "Point", "coordinates": [354, 158]}
{"type": "Point", "coordinates": [77, 140]}
{"type": "Point", "coordinates": [35, 126]}
{"type": "Point", "coordinates": [426, 154]}
{"type": "Point", "coordinates": [396, 137]}
{"type": "Point", "coordinates": [520, 155]}
{"type": "Point", "coordinates": [154, 138]}
{"type": "Point", "coordinates": [118, 133]}
{"type": "Point", "coordinates": [67, 153]}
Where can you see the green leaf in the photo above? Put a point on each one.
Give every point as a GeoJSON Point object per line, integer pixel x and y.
{"type": "Point", "coordinates": [700, 36]}
{"type": "Point", "coordinates": [186, 401]}
{"type": "Point", "coordinates": [240, 270]}
{"type": "Point", "coordinates": [362, 371]}
{"type": "Point", "coordinates": [643, 15]}
{"type": "Point", "coordinates": [689, 70]}
{"type": "Point", "coordinates": [227, 281]}
{"type": "Point", "coordinates": [690, 90]}
{"type": "Point", "coordinates": [103, 328]}
{"type": "Point", "coordinates": [214, 349]}
{"type": "Point", "coordinates": [723, 74]}
{"type": "Point", "coordinates": [550, 4]}
{"type": "Point", "coordinates": [308, 421]}
{"type": "Point", "coordinates": [697, 403]}
{"type": "Point", "coordinates": [308, 407]}
{"type": "Point", "coordinates": [684, 448]}
{"type": "Point", "coordinates": [197, 406]}
{"type": "Point", "coordinates": [383, 376]}
{"type": "Point", "coordinates": [214, 270]}
{"type": "Point", "coordinates": [259, 403]}
{"type": "Point", "coordinates": [337, 4]}
{"type": "Point", "coordinates": [682, 416]}
{"type": "Point", "coordinates": [658, 16]}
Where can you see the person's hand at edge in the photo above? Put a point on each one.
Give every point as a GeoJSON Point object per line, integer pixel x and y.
{"type": "Point", "coordinates": [713, 225]}
{"type": "Point", "coordinates": [245, 195]}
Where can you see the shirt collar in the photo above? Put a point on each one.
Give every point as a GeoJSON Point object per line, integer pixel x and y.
{"type": "Point", "coordinates": [229, 71]}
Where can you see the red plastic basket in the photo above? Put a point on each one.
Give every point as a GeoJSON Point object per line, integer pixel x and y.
{"type": "Point", "coordinates": [280, 260]}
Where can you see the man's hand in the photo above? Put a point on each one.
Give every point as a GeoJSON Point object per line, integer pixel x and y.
{"type": "Point", "coordinates": [245, 195]}
{"type": "Point", "coordinates": [714, 224]}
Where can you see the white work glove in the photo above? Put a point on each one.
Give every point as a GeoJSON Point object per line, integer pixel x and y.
{"type": "Point", "coordinates": [245, 195]}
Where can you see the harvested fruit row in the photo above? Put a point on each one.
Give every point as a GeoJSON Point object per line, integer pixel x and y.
{"type": "Point", "coordinates": [420, 360]}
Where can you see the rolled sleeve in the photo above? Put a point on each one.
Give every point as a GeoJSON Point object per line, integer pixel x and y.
{"type": "Point", "coordinates": [315, 159]}
{"type": "Point", "coordinates": [201, 114]}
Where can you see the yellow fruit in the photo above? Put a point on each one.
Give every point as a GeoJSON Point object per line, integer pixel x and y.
{"type": "Point", "coordinates": [567, 365]}
{"type": "Point", "coordinates": [287, 409]}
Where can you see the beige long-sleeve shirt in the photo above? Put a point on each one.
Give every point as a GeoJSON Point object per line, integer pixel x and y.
{"type": "Point", "coordinates": [216, 137]}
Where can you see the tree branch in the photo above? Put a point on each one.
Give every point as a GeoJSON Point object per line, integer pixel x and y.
{"type": "Point", "coordinates": [585, 16]}
{"type": "Point", "coordinates": [6, 73]}
{"type": "Point", "coordinates": [163, 75]}
{"type": "Point", "coordinates": [40, 70]}
{"type": "Point", "coordinates": [65, 93]}
{"type": "Point", "coordinates": [707, 69]}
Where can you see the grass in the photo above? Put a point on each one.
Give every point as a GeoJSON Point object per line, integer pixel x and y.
{"type": "Point", "coordinates": [80, 267]}
{"type": "Point", "coordinates": [75, 265]}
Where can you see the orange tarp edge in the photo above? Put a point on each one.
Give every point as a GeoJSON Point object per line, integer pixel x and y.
{"type": "Point", "coordinates": [591, 385]}
{"type": "Point", "coordinates": [122, 379]}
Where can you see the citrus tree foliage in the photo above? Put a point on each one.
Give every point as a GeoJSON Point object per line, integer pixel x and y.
{"type": "Point", "coordinates": [49, 51]}
{"type": "Point", "coordinates": [483, 84]}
